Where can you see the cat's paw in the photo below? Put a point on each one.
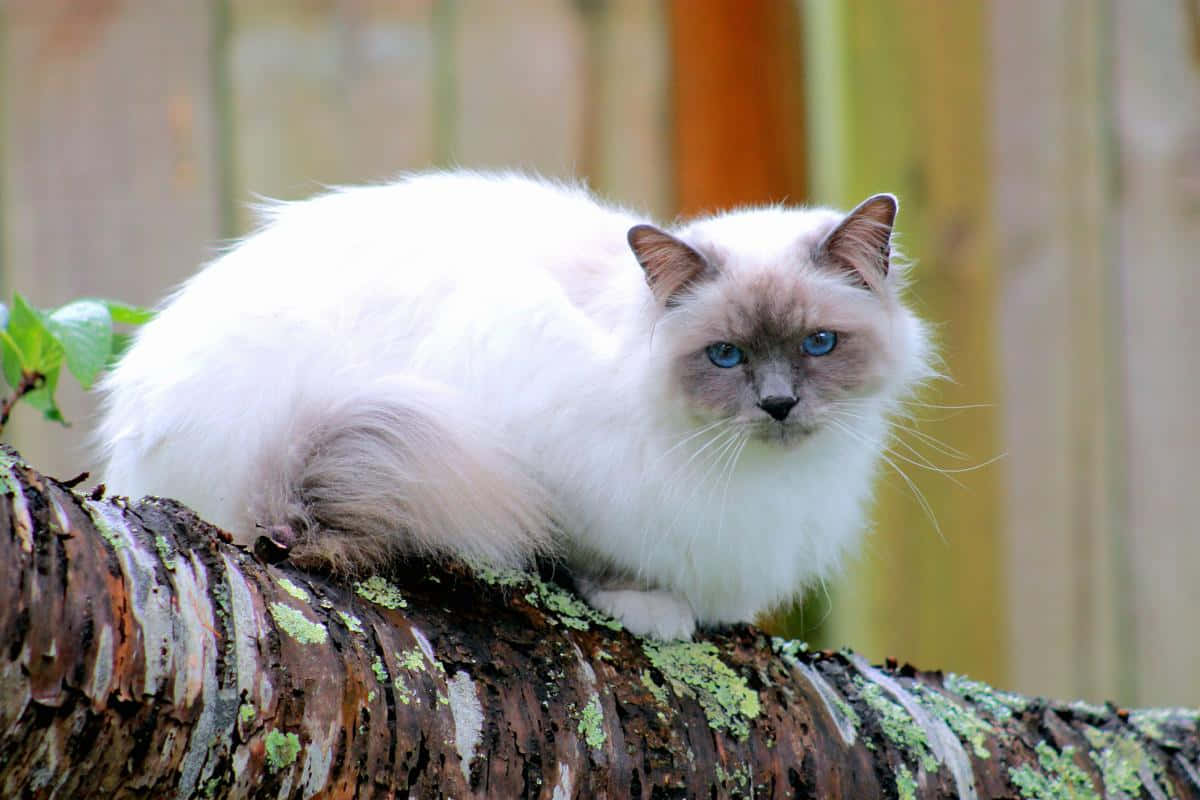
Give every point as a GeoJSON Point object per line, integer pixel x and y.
{"type": "Point", "coordinates": [651, 612]}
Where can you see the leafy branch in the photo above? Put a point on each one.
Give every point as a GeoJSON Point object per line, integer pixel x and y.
{"type": "Point", "coordinates": [36, 343]}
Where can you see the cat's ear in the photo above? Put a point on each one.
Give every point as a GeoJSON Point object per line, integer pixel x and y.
{"type": "Point", "coordinates": [671, 265]}
{"type": "Point", "coordinates": [861, 244]}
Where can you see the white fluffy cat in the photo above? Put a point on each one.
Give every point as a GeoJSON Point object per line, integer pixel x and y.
{"type": "Point", "coordinates": [495, 367]}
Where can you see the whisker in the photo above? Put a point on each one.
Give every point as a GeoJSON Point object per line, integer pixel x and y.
{"type": "Point", "coordinates": [715, 438]}
{"type": "Point", "coordinates": [925, 463]}
{"type": "Point", "coordinates": [670, 482]}
{"type": "Point", "coordinates": [908, 405]}
{"type": "Point", "coordinates": [917, 493]}
{"type": "Point", "coordinates": [717, 457]}
{"type": "Point", "coordinates": [728, 437]}
{"type": "Point", "coordinates": [927, 439]}
{"type": "Point", "coordinates": [693, 435]}
{"type": "Point", "coordinates": [950, 407]}
{"type": "Point", "coordinates": [737, 454]}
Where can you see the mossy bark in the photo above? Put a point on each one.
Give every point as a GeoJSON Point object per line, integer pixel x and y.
{"type": "Point", "coordinates": [143, 655]}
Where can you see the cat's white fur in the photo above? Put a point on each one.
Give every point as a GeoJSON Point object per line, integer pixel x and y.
{"type": "Point", "coordinates": [477, 361]}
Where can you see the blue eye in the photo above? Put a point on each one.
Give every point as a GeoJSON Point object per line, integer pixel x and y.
{"type": "Point", "coordinates": [819, 343]}
{"type": "Point", "coordinates": [725, 355]}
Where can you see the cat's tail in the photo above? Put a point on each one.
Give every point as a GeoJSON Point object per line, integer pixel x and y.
{"type": "Point", "coordinates": [398, 467]}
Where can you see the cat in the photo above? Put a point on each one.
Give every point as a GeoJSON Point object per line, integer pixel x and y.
{"type": "Point", "coordinates": [495, 367]}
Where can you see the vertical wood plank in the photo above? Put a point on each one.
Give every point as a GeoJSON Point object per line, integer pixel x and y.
{"type": "Point", "coordinates": [913, 120]}
{"type": "Point", "coordinates": [738, 104]}
{"type": "Point", "coordinates": [625, 151]}
{"type": "Point", "coordinates": [1157, 90]}
{"type": "Point", "coordinates": [110, 153]}
{"type": "Point", "coordinates": [521, 78]}
{"type": "Point", "coordinates": [328, 92]}
{"type": "Point", "coordinates": [1054, 200]}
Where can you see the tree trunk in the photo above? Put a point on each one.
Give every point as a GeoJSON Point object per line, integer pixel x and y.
{"type": "Point", "coordinates": [141, 655]}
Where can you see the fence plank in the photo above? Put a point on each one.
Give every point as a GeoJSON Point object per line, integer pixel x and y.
{"type": "Point", "coordinates": [110, 153]}
{"type": "Point", "coordinates": [626, 127]}
{"type": "Point", "coordinates": [331, 92]}
{"type": "Point", "coordinates": [520, 69]}
{"type": "Point", "coordinates": [1157, 116]}
{"type": "Point", "coordinates": [1061, 404]}
{"type": "Point", "coordinates": [912, 120]}
{"type": "Point", "coordinates": [738, 104]}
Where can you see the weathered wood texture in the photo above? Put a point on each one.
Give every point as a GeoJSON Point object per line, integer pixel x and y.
{"type": "Point", "coordinates": [908, 117]}
{"type": "Point", "coordinates": [1096, 110]}
{"type": "Point", "coordinates": [143, 656]}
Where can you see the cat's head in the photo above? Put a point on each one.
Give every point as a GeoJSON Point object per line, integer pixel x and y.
{"type": "Point", "coordinates": [783, 320]}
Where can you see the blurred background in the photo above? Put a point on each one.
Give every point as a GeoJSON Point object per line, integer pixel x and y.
{"type": "Point", "coordinates": [1047, 158]}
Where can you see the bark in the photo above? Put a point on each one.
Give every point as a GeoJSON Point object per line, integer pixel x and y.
{"type": "Point", "coordinates": [141, 655]}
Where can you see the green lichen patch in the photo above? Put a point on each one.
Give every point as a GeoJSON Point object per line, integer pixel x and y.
{"type": "Point", "coordinates": [659, 692]}
{"type": "Point", "coordinates": [294, 590]}
{"type": "Point", "coordinates": [380, 592]}
{"type": "Point", "coordinates": [1060, 779]}
{"type": "Point", "coordinates": [107, 530]}
{"type": "Point", "coordinates": [564, 607]}
{"type": "Point", "coordinates": [413, 660]}
{"type": "Point", "coordinates": [352, 623]}
{"type": "Point", "coordinates": [404, 692]}
{"type": "Point", "coordinates": [282, 749]}
{"type": "Point", "coordinates": [570, 610]}
{"type": "Point", "coordinates": [1164, 725]}
{"type": "Point", "coordinates": [246, 713]}
{"type": "Point", "coordinates": [789, 649]}
{"type": "Point", "coordinates": [898, 725]}
{"type": "Point", "coordinates": [298, 626]}
{"type": "Point", "coordinates": [738, 779]}
{"type": "Point", "coordinates": [591, 723]}
{"type": "Point", "coordinates": [1122, 762]}
{"type": "Point", "coordinates": [508, 578]}
{"type": "Point", "coordinates": [695, 669]}
{"type": "Point", "coordinates": [848, 712]}
{"type": "Point", "coordinates": [165, 553]}
{"type": "Point", "coordinates": [966, 724]}
{"type": "Point", "coordinates": [995, 703]}
{"type": "Point", "coordinates": [906, 785]}
{"type": "Point", "coordinates": [381, 673]}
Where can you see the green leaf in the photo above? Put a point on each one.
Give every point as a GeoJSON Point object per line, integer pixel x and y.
{"type": "Point", "coordinates": [84, 329]}
{"type": "Point", "coordinates": [126, 314]}
{"type": "Point", "coordinates": [120, 343]}
{"type": "Point", "coordinates": [43, 399]}
{"type": "Point", "coordinates": [30, 346]}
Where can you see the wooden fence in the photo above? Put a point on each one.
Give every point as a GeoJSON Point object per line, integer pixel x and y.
{"type": "Point", "coordinates": [1047, 156]}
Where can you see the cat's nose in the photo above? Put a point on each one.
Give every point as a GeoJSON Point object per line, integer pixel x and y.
{"type": "Point", "coordinates": [777, 407]}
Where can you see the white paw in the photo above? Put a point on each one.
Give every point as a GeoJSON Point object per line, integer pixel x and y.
{"type": "Point", "coordinates": [663, 615]}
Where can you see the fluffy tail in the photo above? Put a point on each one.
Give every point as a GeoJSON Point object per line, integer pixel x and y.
{"type": "Point", "coordinates": [400, 467]}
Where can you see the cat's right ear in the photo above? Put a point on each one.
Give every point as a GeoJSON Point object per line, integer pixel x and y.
{"type": "Point", "coordinates": [670, 265]}
{"type": "Point", "coordinates": [861, 244]}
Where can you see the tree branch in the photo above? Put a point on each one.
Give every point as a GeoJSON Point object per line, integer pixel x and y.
{"type": "Point", "coordinates": [142, 655]}
{"type": "Point", "coordinates": [30, 381]}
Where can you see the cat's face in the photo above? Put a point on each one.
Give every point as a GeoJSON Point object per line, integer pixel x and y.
{"type": "Point", "coordinates": [779, 320]}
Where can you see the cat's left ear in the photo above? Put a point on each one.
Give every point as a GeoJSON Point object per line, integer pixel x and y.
{"type": "Point", "coordinates": [861, 244]}
{"type": "Point", "coordinates": [671, 265]}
